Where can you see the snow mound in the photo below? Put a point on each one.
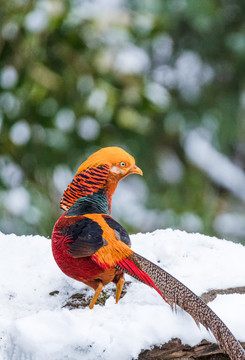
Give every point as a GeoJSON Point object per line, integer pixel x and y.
{"type": "Point", "coordinates": [35, 325]}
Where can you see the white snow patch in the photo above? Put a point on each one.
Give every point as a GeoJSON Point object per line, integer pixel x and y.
{"type": "Point", "coordinates": [227, 307]}
{"type": "Point", "coordinates": [34, 325]}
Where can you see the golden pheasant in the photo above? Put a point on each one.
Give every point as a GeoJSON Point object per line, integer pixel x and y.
{"type": "Point", "coordinates": [90, 246]}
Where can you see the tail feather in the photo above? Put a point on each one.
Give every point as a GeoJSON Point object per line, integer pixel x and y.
{"type": "Point", "coordinates": [135, 271]}
{"type": "Point", "coordinates": [176, 293]}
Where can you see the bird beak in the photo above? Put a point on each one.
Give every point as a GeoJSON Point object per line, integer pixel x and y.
{"type": "Point", "coordinates": [135, 170]}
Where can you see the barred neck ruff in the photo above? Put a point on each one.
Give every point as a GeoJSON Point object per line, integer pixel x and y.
{"type": "Point", "coordinates": [94, 180]}
{"type": "Point", "coordinates": [88, 182]}
{"type": "Point", "coordinates": [91, 204]}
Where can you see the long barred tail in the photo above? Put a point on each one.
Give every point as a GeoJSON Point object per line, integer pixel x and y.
{"type": "Point", "coordinates": [175, 293]}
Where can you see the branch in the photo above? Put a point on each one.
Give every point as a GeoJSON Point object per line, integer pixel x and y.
{"type": "Point", "coordinates": [212, 294]}
{"type": "Point", "coordinates": [174, 349]}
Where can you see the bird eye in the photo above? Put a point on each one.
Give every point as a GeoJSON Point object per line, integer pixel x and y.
{"type": "Point", "coordinates": [122, 163]}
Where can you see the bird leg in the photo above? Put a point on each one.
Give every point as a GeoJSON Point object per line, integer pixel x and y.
{"type": "Point", "coordinates": [96, 295]}
{"type": "Point", "coordinates": [120, 284]}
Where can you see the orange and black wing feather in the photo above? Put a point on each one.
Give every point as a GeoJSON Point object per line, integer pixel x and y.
{"type": "Point", "coordinates": [87, 182]}
{"type": "Point", "coordinates": [84, 238]}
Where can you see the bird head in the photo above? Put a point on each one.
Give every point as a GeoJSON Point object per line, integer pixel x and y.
{"type": "Point", "coordinates": [120, 162]}
{"type": "Point", "coordinates": [101, 171]}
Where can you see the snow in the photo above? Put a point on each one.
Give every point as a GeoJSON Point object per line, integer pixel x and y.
{"type": "Point", "coordinates": [35, 325]}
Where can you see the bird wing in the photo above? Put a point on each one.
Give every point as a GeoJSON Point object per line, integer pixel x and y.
{"type": "Point", "coordinates": [84, 238]}
{"type": "Point", "coordinates": [177, 293]}
{"type": "Point", "coordinates": [98, 236]}
{"type": "Point", "coordinates": [117, 240]}
{"type": "Point", "coordinates": [87, 182]}
{"type": "Point", "coordinates": [120, 233]}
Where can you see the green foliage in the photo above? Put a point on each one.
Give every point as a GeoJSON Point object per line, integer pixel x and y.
{"type": "Point", "coordinates": [73, 92]}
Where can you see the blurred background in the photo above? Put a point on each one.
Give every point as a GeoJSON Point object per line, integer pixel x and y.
{"type": "Point", "coordinates": [165, 80]}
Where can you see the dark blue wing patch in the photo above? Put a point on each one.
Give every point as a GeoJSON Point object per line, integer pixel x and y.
{"type": "Point", "coordinates": [120, 232]}
{"type": "Point", "coordinates": [85, 238]}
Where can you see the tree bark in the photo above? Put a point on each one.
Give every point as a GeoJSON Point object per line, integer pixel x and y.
{"type": "Point", "coordinates": [174, 349]}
